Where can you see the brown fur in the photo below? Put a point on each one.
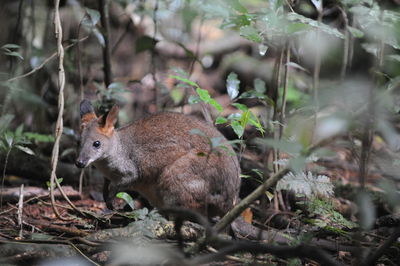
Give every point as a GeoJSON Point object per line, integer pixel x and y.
{"type": "Point", "coordinates": [160, 158]}
{"type": "Point", "coordinates": [87, 118]}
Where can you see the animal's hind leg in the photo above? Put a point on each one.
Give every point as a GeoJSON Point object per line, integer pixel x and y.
{"type": "Point", "coordinates": [182, 186]}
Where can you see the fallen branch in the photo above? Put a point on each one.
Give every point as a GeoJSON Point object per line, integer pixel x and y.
{"type": "Point", "coordinates": [371, 259]}
{"type": "Point", "coordinates": [300, 251]}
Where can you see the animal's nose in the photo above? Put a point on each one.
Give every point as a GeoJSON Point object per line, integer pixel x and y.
{"type": "Point", "coordinates": [79, 164]}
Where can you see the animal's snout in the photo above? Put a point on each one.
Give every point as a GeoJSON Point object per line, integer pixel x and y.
{"type": "Point", "coordinates": [80, 164]}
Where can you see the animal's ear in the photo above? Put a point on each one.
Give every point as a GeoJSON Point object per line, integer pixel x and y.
{"type": "Point", "coordinates": [107, 123]}
{"type": "Point", "coordinates": [87, 112]}
{"type": "Point", "coordinates": [112, 117]}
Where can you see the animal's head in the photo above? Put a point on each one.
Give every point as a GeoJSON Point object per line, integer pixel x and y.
{"type": "Point", "coordinates": [96, 134]}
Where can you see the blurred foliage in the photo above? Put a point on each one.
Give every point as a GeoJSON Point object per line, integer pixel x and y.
{"type": "Point", "coordinates": [289, 110]}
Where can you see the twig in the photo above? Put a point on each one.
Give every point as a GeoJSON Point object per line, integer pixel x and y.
{"type": "Point", "coordinates": [204, 110]}
{"type": "Point", "coordinates": [44, 225]}
{"type": "Point", "coordinates": [81, 89]}
{"type": "Point", "coordinates": [285, 85]}
{"type": "Point", "coordinates": [59, 124]}
{"type": "Point", "coordinates": [82, 254]}
{"type": "Point", "coordinates": [62, 242]}
{"type": "Point", "coordinates": [196, 52]}
{"type": "Point", "coordinates": [278, 70]}
{"type": "Point", "coordinates": [44, 62]}
{"type": "Point", "coordinates": [243, 204]}
{"type": "Point", "coordinates": [20, 208]}
{"type": "Point", "coordinates": [16, 31]}
{"type": "Point", "coordinates": [121, 37]}
{"type": "Point", "coordinates": [229, 257]}
{"type": "Point", "coordinates": [300, 251]}
{"type": "Point", "coordinates": [370, 260]}
{"type": "Point", "coordinates": [346, 44]}
{"type": "Point", "coordinates": [105, 22]}
{"type": "Point", "coordinates": [153, 63]}
{"type": "Point", "coordinates": [81, 181]}
{"type": "Point", "coordinates": [260, 190]}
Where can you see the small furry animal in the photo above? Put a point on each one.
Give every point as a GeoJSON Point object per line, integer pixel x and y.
{"type": "Point", "coordinates": [161, 158]}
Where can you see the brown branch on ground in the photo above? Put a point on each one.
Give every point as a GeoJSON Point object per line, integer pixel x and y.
{"type": "Point", "coordinates": [372, 258]}
{"type": "Point", "coordinates": [54, 227]}
{"type": "Point", "coordinates": [299, 251]}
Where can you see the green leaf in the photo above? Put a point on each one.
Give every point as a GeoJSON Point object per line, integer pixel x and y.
{"type": "Point", "coordinates": [283, 145]}
{"type": "Point", "coordinates": [180, 72]}
{"type": "Point", "coordinates": [256, 122]}
{"type": "Point", "coordinates": [10, 46]}
{"type": "Point", "coordinates": [67, 151]}
{"type": "Point", "coordinates": [355, 32]}
{"type": "Point", "coordinates": [117, 87]}
{"type": "Point", "coordinates": [93, 15]}
{"type": "Point", "coordinates": [317, 4]}
{"type": "Point", "coordinates": [25, 149]}
{"type": "Point", "coordinates": [14, 54]}
{"type": "Point", "coordinates": [394, 57]}
{"type": "Point", "coordinates": [9, 138]}
{"type": "Point", "coordinates": [250, 33]}
{"type": "Point", "coordinates": [237, 128]}
{"type": "Point", "coordinates": [185, 80]}
{"type": "Point", "coordinates": [59, 182]}
{"type": "Point", "coordinates": [244, 120]}
{"type": "Point", "coordinates": [296, 27]}
{"type": "Point", "coordinates": [236, 5]}
{"type": "Point", "coordinates": [127, 198]}
{"type": "Point", "coordinates": [205, 97]}
{"type": "Point", "coordinates": [259, 86]}
{"type": "Point", "coordinates": [5, 121]}
{"type": "Point", "coordinates": [298, 163]}
{"type": "Point", "coordinates": [240, 106]}
{"type": "Point", "coordinates": [177, 95]}
{"type": "Point", "coordinates": [193, 99]}
{"type": "Point", "coordinates": [232, 85]}
{"type": "Point", "coordinates": [145, 43]}
{"type": "Point", "coordinates": [18, 131]}
{"type": "Point", "coordinates": [295, 65]}
{"type": "Point", "coordinates": [99, 37]}
{"type": "Point", "coordinates": [220, 120]}
{"type": "Point", "coordinates": [292, 16]}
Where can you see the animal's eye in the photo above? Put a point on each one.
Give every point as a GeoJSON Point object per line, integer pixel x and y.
{"type": "Point", "coordinates": [96, 144]}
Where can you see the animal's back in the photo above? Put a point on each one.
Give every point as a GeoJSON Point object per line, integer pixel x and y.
{"type": "Point", "coordinates": [179, 167]}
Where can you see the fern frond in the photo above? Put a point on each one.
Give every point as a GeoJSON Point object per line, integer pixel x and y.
{"type": "Point", "coordinates": [307, 184]}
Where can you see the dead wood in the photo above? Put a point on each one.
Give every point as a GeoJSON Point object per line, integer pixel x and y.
{"type": "Point", "coordinates": [12, 194]}
{"type": "Point", "coordinates": [37, 169]}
